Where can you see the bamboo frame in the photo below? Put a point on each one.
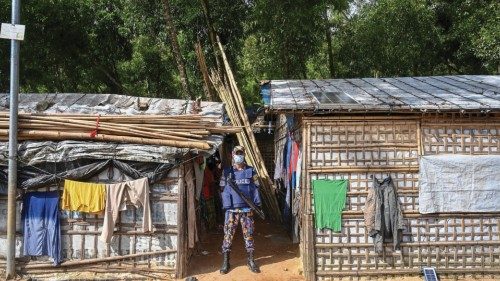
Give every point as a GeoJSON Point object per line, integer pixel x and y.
{"type": "Point", "coordinates": [85, 254]}
{"type": "Point", "coordinates": [456, 243]}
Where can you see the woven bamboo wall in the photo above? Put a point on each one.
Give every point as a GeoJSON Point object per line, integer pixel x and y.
{"type": "Point", "coordinates": [361, 149]}
{"type": "Point", "coordinates": [80, 235]}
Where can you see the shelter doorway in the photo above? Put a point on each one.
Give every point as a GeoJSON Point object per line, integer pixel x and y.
{"type": "Point", "coordinates": [275, 252]}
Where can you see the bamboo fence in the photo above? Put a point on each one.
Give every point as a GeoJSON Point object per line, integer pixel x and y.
{"type": "Point", "coordinates": [360, 148]}
{"type": "Point", "coordinates": [131, 249]}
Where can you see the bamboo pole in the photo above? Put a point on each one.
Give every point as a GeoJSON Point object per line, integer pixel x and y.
{"type": "Point", "coordinates": [339, 169]}
{"type": "Point", "coordinates": [204, 70]}
{"type": "Point", "coordinates": [108, 269]}
{"type": "Point", "coordinates": [244, 140]}
{"type": "Point", "coordinates": [97, 260]}
{"type": "Point", "coordinates": [38, 135]}
{"type": "Point", "coordinates": [123, 127]}
{"type": "Point", "coordinates": [249, 137]}
{"type": "Point", "coordinates": [113, 130]}
{"type": "Point", "coordinates": [399, 272]}
{"type": "Point", "coordinates": [409, 244]}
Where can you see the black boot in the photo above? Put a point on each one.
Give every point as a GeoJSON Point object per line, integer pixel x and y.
{"type": "Point", "coordinates": [225, 264]}
{"type": "Point", "coordinates": [251, 263]}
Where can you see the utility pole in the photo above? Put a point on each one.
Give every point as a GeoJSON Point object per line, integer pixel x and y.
{"type": "Point", "coordinates": [12, 180]}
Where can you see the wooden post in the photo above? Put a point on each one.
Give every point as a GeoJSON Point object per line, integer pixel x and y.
{"type": "Point", "coordinates": [181, 224]}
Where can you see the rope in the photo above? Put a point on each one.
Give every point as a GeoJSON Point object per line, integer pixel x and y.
{"type": "Point", "coordinates": [93, 134]}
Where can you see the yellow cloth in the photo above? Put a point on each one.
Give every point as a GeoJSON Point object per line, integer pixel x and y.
{"type": "Point", "coordinates": [83, 196]}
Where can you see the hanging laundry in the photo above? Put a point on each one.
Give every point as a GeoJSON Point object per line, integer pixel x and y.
{"type": "Point", "coordinates": [208, 196]}
{"type": "Point", "coordinates": [42, 232]}
{"type": "Point", "coordinates": [296, 211]}
{"type": "Point", "coordinates": [278, 164]}
{"type": "Point", "coordinates": [299, 170]}
{"type": "Point", "coordinates": [294, 157]}
{"type": "Point", "coordinates": [83, 197]}
{"type": "Point", "coordinates": [383, 216]}
{"type": "Point", "coordinates": [118, 195]}
{"type": "Point", "coordinates": [199, 164]}
{"type": "Point", "coordinates": [287, 206]}
{"type": "Point", "coordinates": [208, 190]}
{"type": "Point", "coordinates": [329, 201]}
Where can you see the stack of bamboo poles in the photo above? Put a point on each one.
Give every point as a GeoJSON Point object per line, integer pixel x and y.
{"type": "Point", "coordinates": [184, 131]}
{"type": "Point", "coordinates": [231, 96]}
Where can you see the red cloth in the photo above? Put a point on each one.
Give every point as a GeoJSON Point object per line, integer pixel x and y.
{"type": "Point", "coordinates": [294, 158]}
{"type": "Point", "coordinates": [208, 184]}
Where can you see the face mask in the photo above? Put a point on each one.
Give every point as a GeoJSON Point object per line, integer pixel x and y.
{"type": "Point", "coordinates": [238, 159]}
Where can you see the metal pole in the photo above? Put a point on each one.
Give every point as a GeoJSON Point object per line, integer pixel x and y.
{"type": "Point", "coordinates": [12, 180]}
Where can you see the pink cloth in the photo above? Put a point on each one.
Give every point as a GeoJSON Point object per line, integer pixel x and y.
{"type": "Point", "coordinates": [294, 157]}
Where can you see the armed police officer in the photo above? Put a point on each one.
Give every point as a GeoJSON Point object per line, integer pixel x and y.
{"type": "Point", "coordinates": [238, 209]}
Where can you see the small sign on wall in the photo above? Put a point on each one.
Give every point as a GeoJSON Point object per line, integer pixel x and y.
{"type": "Point", "coordinates": [12, 31]}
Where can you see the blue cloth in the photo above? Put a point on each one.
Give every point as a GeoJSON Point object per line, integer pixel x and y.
{"type": "Point", "coordinates": [265, 92]}
{"type": "Point", "coordinates": [244, 181]}
{"type": "Point", "coordinates": [42, 232]}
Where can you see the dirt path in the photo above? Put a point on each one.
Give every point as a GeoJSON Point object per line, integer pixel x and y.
{"type": "Point", "coordinates": [277, 257]}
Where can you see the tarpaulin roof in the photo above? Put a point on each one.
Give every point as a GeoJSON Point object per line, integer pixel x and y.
{"type": "Point", "coordinates": [35, 152]}
{"type": "Point", "coordinates": [46, 162]}
{"type": "Point", "coordinates": [434, 93]}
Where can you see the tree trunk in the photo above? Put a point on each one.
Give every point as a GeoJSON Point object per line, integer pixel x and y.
{"type": "Point", "coordinates": [172, 31]}
{"type": "Point", "coordinates": [329, 43]}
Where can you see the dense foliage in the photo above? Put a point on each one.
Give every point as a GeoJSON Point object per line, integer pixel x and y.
{"type": "Point", "coordinates": [122, 46]}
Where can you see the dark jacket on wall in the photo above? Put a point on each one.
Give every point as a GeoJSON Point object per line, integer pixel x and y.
{"type": "Point", "coordinates": [383, 216]}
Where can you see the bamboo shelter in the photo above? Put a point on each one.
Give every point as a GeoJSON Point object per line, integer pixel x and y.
{"type": "Point", "coordinates": [365, 129]}
{"type": "Point", "coordinates": [108, 139]}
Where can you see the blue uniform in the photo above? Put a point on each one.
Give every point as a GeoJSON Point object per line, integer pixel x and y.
{"type": "Point", "coordinates": [245, 179]}
{"type": "Point", "coordinates": [237, 210]}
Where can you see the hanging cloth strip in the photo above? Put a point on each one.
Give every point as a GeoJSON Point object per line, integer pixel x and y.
{"type": "Point", "coordinates": [83, 197]}
{"type": "Point", "coordinates": [117, 195]}
{"type": "Point", "coordinates": [42, 230]}
{"type": "Point", "coordinates": [329, 201]}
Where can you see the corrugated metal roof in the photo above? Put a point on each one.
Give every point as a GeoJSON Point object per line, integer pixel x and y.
{"type": "Point", "coordinates": [447, 93]}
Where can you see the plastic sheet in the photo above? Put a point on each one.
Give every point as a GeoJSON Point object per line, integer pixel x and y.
{"type": "Point", "coordinates": [459, 183]}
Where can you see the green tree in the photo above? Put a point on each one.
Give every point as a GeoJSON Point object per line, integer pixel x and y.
{"type": "Point", "coordinates": [389, 38]}
{"type": "Point", "coordinates": [470, 35]}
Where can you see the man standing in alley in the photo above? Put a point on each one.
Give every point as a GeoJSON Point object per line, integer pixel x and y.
{"type": "Point", "coordinates": [237, 209]}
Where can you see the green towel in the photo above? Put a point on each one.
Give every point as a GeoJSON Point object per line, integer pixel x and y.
{"type": "Point", "coordinates": [329, 201]}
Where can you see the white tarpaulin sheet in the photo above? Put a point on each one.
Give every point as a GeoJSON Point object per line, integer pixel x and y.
{"type": "Point", "coordinates": [459, 183]}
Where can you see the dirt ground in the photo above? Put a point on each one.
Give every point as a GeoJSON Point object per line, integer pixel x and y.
{"type": "Point", "coordinates": [277, 257]}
